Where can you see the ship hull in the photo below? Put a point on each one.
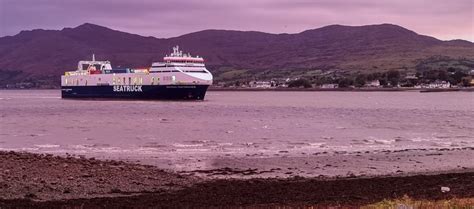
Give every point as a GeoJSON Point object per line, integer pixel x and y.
{"type": "Point", "coordinates": [140, 92]}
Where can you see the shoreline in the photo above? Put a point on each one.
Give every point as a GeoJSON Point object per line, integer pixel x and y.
{"type": "Point", "coordinates": [422, 90]}
{"type": "Point", "coordinates": [346, 89]}
{"type": "Point", "coordinates": [48, 181]}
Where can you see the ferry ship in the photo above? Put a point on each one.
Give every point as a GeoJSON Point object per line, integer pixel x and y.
{"type": "Point", "coordinates": [179, 77]}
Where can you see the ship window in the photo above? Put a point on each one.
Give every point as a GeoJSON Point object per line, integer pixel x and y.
{"type": "Point", "coordinates": [141, 81]}
{"type": "Point", "coordinates": [152, 80]}
{"type": "Point", "coordinates": [86, 82]}
{"type": "Point", "coordinates": [113, 81]}
{"type": "Point", "coordinates": [65, 81]}
{"type": "Point", "coordinates": [165, 71]}
{"type": "Point", "coordinates": [124, 81]}
{"type": "Point", "coordinates": [194, 71]}
{"type": "Point", "coordinates": [99, 79]}
{"type": "Point", "coordinates": [129, 81]}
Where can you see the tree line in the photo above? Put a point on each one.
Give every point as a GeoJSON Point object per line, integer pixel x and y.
{"type": "Point", "coordinates": [391, 78]}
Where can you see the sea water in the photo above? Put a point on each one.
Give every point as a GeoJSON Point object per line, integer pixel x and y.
{"type": "Point", "coordinates": [235, 124]}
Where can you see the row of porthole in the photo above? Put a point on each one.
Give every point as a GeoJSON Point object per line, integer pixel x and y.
{"type": "Point", "coordinates": [123, 81]}
{"type": "Point", "coordinates": [135, 81]}
{"type": "Point", "coordinates": [118, 81]}
{"type": "Point", "coordinates": [72, 82]}
{"type": "Point", "coordinates": [153, 80]}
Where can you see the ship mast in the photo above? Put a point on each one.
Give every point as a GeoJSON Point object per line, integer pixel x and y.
{"type": "Point", "coordinates": [176, 52]}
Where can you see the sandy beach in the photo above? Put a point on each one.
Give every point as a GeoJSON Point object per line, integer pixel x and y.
{"type": "Point", "coordinates": [46, 181]}
{"type": "Point", "coordinates": [341, 164]}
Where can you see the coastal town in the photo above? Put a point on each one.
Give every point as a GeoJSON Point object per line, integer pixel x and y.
{"type": "Point", "coordinates": [392, 79]}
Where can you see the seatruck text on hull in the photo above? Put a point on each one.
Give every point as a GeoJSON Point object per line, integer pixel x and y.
{"type": "Point", "coordinates": [128, 89]}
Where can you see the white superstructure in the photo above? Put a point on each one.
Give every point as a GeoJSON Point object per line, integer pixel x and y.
{"type": "Point", "coordinates": [176, 69]}
{"type": "Point", "coordinates": [183, 63]}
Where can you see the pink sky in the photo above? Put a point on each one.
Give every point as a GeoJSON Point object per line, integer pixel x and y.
{"type": "Point", "coordinates": [168, 18]}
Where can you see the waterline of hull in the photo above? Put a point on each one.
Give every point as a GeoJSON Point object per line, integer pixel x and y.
{"type": "Point", "coordinates": [147, 92]}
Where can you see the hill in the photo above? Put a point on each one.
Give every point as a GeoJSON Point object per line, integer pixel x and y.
{"type": "Point", "coordinates": [41, 56]}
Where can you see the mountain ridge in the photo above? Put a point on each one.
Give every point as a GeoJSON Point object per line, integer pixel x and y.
{"type": "Point", "coordinates": [45, 54]}
{"type": "Point", "coordinates": [95, 26]}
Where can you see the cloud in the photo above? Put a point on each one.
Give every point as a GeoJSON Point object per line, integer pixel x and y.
{"type": "Point", "coordinates": [167, 18]}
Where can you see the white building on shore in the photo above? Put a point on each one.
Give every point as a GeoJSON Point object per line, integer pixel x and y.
{"type": "Point", "coordinates": [329, 86]}
{"type": "Point", "coordinates": [437, 85]}
{"type": "Point", "coordinates": [374, 83]}
{"type": "Point", "coordinates": [260, 84]}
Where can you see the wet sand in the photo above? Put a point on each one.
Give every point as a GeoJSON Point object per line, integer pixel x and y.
{"type": "Point", "coordinates": [47, 181]}
{"type": "Point", "coordinates": [341, 164]}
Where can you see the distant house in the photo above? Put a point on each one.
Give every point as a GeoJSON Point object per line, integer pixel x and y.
{"type": "Point", "coordinates": [260, 84]}
{"type": "Point", "coordinates": [411, 77]}
{"type": "Point", "coordinates": [374, 83]}
{"type": "Point", "coordinates": [438, 85]}
{"type": "Point", "coordinates": [220, 84]}
{"type": "Point", "coordinates": [282, 85]}
{"type": "Point", "coordinates": [329, 86]}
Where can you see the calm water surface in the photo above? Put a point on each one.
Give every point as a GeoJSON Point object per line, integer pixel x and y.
{"type": "Point", "coordinates": [235, 123]}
